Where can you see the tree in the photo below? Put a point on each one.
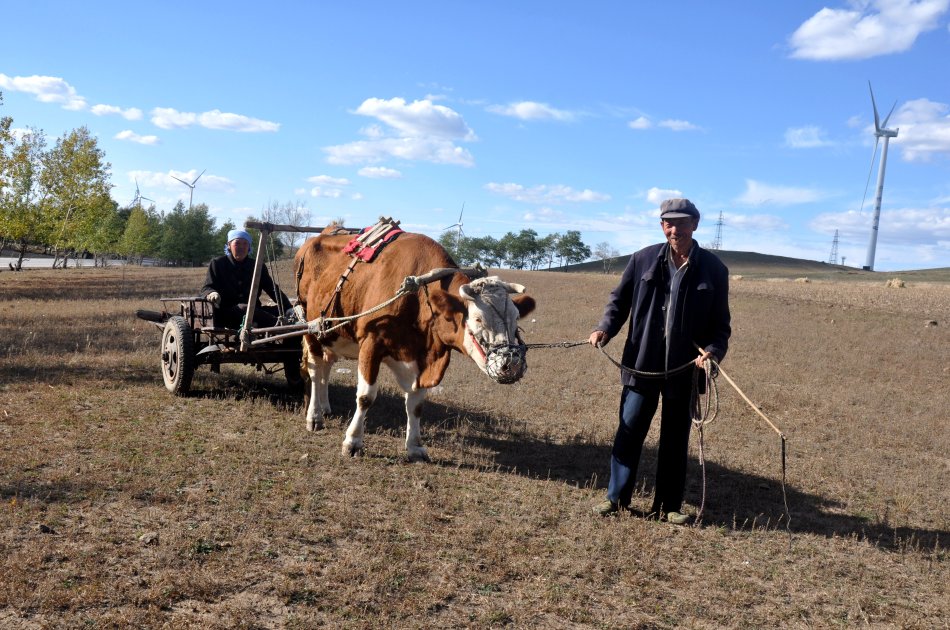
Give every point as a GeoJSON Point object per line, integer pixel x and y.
{"type": "Point", "coordinates": [571, 249]}
{"type": "Point", "coordinates": [520, 249]}
{"type": "Point", "coordinates": [605, 253]}
{"type": "Point", "coordinates": [21, 214]}
{"type": "Point", "coordinates": [190, 236]}
{"type": "Point", "coordinates": [74, 185]}
{"type": "Point", "coordinates": [290, 213]}
{"type": "Point", "coordinates": [141, 236]}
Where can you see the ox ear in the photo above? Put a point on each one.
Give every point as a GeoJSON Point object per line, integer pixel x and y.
{"type": "Point", "coordinates": [524, 303]}
{"type": "Point", "coordinates": [447, 305]}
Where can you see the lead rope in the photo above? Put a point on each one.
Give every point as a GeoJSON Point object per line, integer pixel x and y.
{"type": "Point", "coordinates": [700, 405]}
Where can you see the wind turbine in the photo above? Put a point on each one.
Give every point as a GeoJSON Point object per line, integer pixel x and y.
{"type": "Point", "coordinates": [458, 236]}
{"type": "Point", "coordinates": [137, 199]}
{"type": "Point", "coordinates": [880, 131]}
{"type": "Point", "coordinates": [191, 186]}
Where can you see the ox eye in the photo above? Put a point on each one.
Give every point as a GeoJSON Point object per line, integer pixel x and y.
{"type": "Point", "coordinates": [478, 320]}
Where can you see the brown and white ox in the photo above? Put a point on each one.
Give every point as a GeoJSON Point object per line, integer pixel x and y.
{"type": "Point", "coordinates": [414, 336]}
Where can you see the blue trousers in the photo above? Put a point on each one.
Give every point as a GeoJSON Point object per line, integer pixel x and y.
{"type": "Point", "coordinates": [637, 408]}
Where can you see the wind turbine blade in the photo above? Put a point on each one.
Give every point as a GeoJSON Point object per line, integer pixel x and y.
{"type": "Point", "coordinates": [888, 117]}
{"type": "Point", "coordinates": [181, 180]}
{"type": "Point", "coordinates": [461, 213]}
{"type": "Point", "coordinates": [197, 178]}
{"type": "Point", "coordinates": [877, 126]}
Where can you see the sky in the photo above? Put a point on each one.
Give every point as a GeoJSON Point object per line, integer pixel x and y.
{"type": "Point", "coordinates": [550, 116]}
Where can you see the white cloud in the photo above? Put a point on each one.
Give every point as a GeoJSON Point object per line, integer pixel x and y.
{"type": "Point", "coordinates": [328, 193]}
{"type": "Point", "coordinates": [760, 194]}
{"type": "Point", "coordinates": [872, 28]}
{"type": "Point", "coordinates": [131, 136]}
{"type": "Point", "coordinates": [417, 131]}
{"type": "Point", "coordinates": [45, 89]}
{"type": "Point", "coordinates": [414, 149]}
{"type": "Point", "coordinates": [327, 180]}
{"type": "Point", "coordinates": [379, 172]}
{"type": "Point", "coordinates": [906, 226]}
{"type": "Point", "coordinates": [748, 222]}
{"type": "Point", "coordinates": [678, 125]}
{"type": "Point", "coordinates": [169, 118]}
{"type": "Point", "coordinates": [544, 215]}
{"type": "Point", "coordinates": [658, 195]}
{"type": "Point", "coordinates": [672, 124]}
{"type": "Point", "coordinates": [417, 119]}
{"type": "Point", "coordinates": [640, 123]}
{"type": "Point", "coordinates": [808, 137]}
{"type": "Point", "coordinates": [530, 110]}
{"type": "Point", "coordinates": [924, 129]}
{"type": "Point", "coordinates": [544, 194]}
{"type": "Point", "coordinates": [216, 119]}
{"type": "Point", "coordinates": [132, 113]}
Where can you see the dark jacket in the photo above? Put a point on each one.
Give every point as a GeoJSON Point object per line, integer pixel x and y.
{"type": "Point", "coordinates": [232, 280]}
{"type": "Point", "coordinates": [702, 310]}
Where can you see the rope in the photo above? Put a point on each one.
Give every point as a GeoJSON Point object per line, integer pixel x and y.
{"type": "Point", "coordinates": [704, 408]}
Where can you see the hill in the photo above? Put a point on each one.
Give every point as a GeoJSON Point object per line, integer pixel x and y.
{"type": "Point", "coordinates": [755, 265]}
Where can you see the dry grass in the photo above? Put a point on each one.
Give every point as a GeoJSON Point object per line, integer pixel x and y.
{"type": "Point", "coordinates": [123, 506]}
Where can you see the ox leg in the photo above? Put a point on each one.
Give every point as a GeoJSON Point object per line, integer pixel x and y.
{"type": "Point", "coordinates": [318, 367]}
{"type": "Point", "coordinates": [406, 375]}
{"type": "Point", "coordinates": [365, 397]}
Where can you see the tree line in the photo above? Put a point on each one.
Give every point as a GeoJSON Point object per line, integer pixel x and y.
{"type": "Point", "coordinates": [524, 250]}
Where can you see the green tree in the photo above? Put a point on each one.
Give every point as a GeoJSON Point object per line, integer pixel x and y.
{"type": "Point", "coordinates": [141, 235]}
{"type": "Point", "coordinates": [21, 213]}
{"type": "Point", "coordinates": [571, 249]}
{"type": "Point", "coordinates": [74, 184]}
{"type": "Point", "coordinates": [519, 249]}
{"type": "Point", "coordinates": [190, 236]}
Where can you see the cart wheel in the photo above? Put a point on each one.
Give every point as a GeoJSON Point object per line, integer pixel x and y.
{"type": "Point", "coordinates": [178, 355]}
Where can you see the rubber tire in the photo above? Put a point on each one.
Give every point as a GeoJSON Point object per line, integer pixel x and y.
{"type": "Point", "coordinates": [178, 355]}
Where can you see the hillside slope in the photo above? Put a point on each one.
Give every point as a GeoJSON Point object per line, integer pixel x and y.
{"type": "Point", "coordinates": [757, 265]}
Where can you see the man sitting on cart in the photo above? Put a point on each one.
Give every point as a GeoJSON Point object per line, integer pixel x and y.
{"type": "Point", "coordinates": [228, 286]}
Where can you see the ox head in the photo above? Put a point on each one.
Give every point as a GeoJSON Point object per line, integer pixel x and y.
{"type": "Point", "coordinates": [492, 338]}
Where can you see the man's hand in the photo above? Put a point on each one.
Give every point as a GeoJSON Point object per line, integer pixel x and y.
{"type": "Point", "coordinates": [215, 298]}
{"type": "Point", "coordinates": [702, 358]}
{"type": "Point", "coordinates": [597, 338]}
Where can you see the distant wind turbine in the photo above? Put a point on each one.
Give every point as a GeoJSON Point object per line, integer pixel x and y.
{"type": "Point", "coordinates": [191, 186]}
{"type": "Point", "coordinates": [458, 236]}
{"type": "Point", "coordinates": [880, 131]}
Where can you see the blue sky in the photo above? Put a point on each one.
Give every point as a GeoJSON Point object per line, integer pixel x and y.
{"type": "Point", "coordinates": [553, 116]}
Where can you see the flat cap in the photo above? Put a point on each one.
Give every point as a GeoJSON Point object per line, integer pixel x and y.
{"type": "Point", "coordinates": [678, 209]}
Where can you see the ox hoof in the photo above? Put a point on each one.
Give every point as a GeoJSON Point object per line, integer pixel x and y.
{"type": "Point", "coordinates": [418, 454]}
{"type": "Point", "coordinates": [314, 425]}
{"type": "Point", "coordinates": [354, 449]}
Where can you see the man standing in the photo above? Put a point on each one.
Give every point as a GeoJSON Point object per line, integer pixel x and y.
{"type": "Point", "coordinates": [228, 286]}
{"type": "Point", "coordinates": [676, 296]}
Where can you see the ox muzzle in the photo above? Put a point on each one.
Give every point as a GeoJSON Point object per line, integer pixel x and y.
{"type": "Point", "coordinates": [506, 363]}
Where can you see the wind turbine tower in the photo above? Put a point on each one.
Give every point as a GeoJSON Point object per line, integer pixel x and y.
{"type": "Point", "coordinates": [880, 131]}
{"type": "Point", "coordinates": [195, 181]}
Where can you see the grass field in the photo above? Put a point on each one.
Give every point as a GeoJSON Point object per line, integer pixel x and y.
{"type": "Point", "coordinates": [122, 506]}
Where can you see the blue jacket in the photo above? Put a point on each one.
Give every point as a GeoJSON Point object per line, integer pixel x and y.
{"type": "Point", "coordinates": [702, 310]}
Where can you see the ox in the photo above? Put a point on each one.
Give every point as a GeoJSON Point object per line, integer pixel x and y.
{"type": "Point", "coordinates": [413, 336]}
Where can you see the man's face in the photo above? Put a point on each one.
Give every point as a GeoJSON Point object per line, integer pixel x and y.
{"type": "Point", "coordinates": [679, 232]}
{"type": "Point", "coordinates": [239, 249]}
